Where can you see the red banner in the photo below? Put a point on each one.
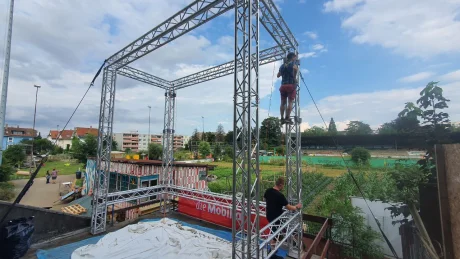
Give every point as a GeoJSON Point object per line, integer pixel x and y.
{"type": "Point", "coordinates": [216, 214]}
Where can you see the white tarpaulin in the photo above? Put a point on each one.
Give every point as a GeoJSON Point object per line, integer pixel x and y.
{"type": "Point", "coordinates": [159, 239]}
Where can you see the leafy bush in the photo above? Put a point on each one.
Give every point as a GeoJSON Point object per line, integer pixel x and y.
{"type": "Point", "coordinates": [360, 156]}
{"type": "Point", "coordinates": [6, 191]}
{"type": "Point", "coordinates": [6, 171]}
{"type": "Point", "coordinates": [218, 187]}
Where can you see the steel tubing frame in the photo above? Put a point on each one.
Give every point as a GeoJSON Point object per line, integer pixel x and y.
{"type": "Point", "coordinates": [294, 168]}
{"type": "Point", "coordinates": [245, 67]}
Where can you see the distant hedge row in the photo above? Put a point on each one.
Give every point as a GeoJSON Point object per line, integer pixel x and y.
{"type": "Point", "coordinates": [370, 141]}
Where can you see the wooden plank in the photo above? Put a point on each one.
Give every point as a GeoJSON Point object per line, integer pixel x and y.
{"type": "Point", "coordinates": [326, 247]}
{"type": "Point", "coordinates": [449, 196]}
{"type": "Point", "coordinates": [317, 239]}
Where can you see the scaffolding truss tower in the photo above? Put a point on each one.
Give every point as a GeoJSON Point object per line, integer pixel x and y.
{"type": "Point", "coordinates": [249, 240]}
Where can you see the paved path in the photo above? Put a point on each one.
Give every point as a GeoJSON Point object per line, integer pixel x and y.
{"type": "Point", "coordinates": [41, 194]}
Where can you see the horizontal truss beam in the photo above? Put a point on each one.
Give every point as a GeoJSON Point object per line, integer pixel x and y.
{"type": "Point", "coordinates": [142, 76]}
{"type": "Point", "coordinates": [265, 57]}
{"type": "Point", "coordinates": [197, 195]}
{"type": "Point", "coordinates": [194, 15]}
{"type": "Point", "coordinates": [275, 25]}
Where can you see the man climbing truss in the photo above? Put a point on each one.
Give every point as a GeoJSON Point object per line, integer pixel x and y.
{"type": "Point", "coordinates": [288, 71]}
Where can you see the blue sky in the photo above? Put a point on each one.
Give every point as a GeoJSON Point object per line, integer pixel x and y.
{"type": "Point", "coordinates": [363, 59]}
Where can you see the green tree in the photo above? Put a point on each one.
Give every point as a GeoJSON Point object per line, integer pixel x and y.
{"type": "Point", "coordinates": [6, 170]}
{"type": "Point", "coordinates": [332, 129]}
{"type": "Point", "coordinates": [82, 149]}
{"type": "Point", "coordinates": [270, 132]}
{"type": "Point", "coordinates": [128, 150]}
{"type": "Point", "coordinates": [210, 137]}
{"type": "Point", "coordinates": [195, 135]}
{"type": "Point", "coordinates": [229, 137]}
{"type": "Point", "coordinates": [387, 128]}
{"type": "Point", "coordinates": [155, 151]}
{"type": "Point", "coordinates": [228, 151]}
{"type": "Point", "coordinates": [217, 152]}
{"type": "Point", "coordinates": [360, 156]}
{"type": "Point", "coordinates": [358, 128]}
{"type": "Point", "coordinates": [204, 148]}
{"type": "Point", "coordinates": [14, 155]}
{"type": "Point", "coordinates": [220, 133]}
{"type": "Point", "coordinates": [114, 145]}
{"type": "Point", "coordinates": [314, 131]}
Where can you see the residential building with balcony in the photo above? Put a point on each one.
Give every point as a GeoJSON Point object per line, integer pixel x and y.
{"type": "Point", "coordinates": [14, 135]}
{"type": "Point", "coordinates": [127, 140]}
{"type": "Point", "coordinates": [139, 142]}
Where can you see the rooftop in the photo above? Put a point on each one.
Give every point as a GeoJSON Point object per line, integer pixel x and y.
{"type": "Point", "coordinates": [81, 132]}
{"type": "Point", "coordinates": [65, 134]}
{"type": "Point", "coordinates": [20, 132]}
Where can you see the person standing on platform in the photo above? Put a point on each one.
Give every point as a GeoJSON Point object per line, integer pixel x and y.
{"type": "Point", "coordinates": [275, 201]}
{"type": "Point", "coordinates": [288, 72]}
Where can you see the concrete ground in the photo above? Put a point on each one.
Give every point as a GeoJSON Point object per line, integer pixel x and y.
{"type": "Point", "coordinates": [41, 194]}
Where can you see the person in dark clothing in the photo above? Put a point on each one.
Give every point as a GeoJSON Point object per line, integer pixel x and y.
{"type": "Point", "coordinates": [275, 202]}
{"type": "Point", "coordinates": [48, 176]}
{"type": "Point", "coordinates": [288, 71]}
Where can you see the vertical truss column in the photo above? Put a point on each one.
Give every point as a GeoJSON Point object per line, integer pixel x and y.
{"type": "Point", "coordinates": [245, 230]}
{"type": "Point", "coordinates": [168, 144]}
{"type": "Point", "coordinates": [294, 171]}
{"type": "Point", "coordinates": [104, 147]}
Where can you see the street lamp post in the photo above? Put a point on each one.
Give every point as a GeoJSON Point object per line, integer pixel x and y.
{"type": "Point", "coordinates": [33, 127]}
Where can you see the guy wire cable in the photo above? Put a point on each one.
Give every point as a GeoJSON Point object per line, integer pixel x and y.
{"type": "Point", "coordinates": [44, 159]}
{"type": "Point", "coordinates": [351, 174]}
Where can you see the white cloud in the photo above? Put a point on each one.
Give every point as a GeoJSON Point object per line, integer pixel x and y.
{"type": "Point", "coordinates": [312, 35]}
{"type": "Point", "coordinates": [307, 55]}
{"type": "Point", "coordinates": [374, 108]}
{"type": "Point", "coordinates": [452, 76]}
{"type": "Point", "coordinates": [63, 49]}
{"type": "Point", "coordinates": [304, 71]}
{"type": "Point", "coordinates": [340, 5]}
{"type": "Point", "coordinates": [319, 48]}
{"type": "Point", "coordinates": [416, 77]}
{"type": "Point", "coordinates": [413, 28]}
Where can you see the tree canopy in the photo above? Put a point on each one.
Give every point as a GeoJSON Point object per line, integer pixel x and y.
{"type": "Point", "coordinates": [332, 129]}
{"type": "Point", "coordinates": [14, 155]}
{"type": "Point", "coordinates": [155, 151]}
{"type": "Point", "coordinates": [204, 148]}
{"type": "Point", "coordinates": [358, 128]}
{"type": "Point", "coordinates": [220, 133]}
{"type": "Point", "coordinates": [270, 132]}
{"type": "Point", "coordinates": [315, 131]}
{"type": "Point", "coordinates": [82, 149]}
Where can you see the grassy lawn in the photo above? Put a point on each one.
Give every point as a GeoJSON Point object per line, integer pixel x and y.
{"type": "Point", "coordinates": [224, 169]}
{"type": "Point", "coordinates": [64, 168]}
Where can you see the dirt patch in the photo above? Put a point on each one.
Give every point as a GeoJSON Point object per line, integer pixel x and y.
{"type": "Point", "coordinates": [42, 194]}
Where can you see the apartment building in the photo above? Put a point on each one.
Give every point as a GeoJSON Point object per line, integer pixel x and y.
{"type": "Point", "coordinates": [14, 135]}
{"type": "Point", "coordinates": [139, 142]}
{"type": "Point", "coordinates": [127, 140]}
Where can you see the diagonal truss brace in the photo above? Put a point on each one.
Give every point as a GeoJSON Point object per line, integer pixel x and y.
{"type": "Point", "coordinates": [194, 15]}
{"type": "Point", "coordinates": [274, 23]}
{"type": "Point", "coordinates": [265, 57]}
{"type": "Point", "coordinates": [144, 77]}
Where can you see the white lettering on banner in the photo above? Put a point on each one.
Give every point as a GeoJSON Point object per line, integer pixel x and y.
{"type": "Point", "coordinates": [216, 210]}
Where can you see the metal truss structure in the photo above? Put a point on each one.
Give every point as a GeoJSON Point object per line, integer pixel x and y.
{"type": "Point", "coordinates": [249, 241]}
